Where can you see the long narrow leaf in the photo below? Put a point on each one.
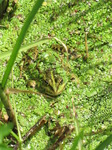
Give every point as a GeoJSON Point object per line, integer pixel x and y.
{"type": "Point", "coordinates": [4, 147]}
{"type": "Point", "coordinates": [20, 40]}
{"type": "Point", "coordinates": [25, 47]}
{"type": "Point", "coordinates": [105, 143]}
{"type": "Point", "coordinates": [76, 141]}
{"type": "Point", "coordinates": [5, 130]}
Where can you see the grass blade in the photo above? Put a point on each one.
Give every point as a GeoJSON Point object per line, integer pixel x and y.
{"type": "Point", "coordinates": [105, 143]}
{"type": "Point", "coordinates": [25, 47]}
{"type": "Point", "coordinates": [76, 141]}
{"type": "Point", "coordinates": [20, 40]}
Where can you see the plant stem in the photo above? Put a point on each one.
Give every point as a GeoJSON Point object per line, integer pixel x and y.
{"type": "Point", "coordinates": [86, 46]}
{"type": "Point", "coordinates": [8, 107]}
{"type": "Point", "coordinates": [66, 49]}
{"type": "Point", "coordinates": [76, 125]}
{"type": "Point", "coordinates": [16, 91]}
{"type": "Point", "coordinates": [19, 134]}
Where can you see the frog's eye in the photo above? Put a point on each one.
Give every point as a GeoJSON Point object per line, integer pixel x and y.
{"type": "Point", "coordinates": [31, 83]}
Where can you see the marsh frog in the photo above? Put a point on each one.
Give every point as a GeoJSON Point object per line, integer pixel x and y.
{"type": "Point", "coordinates": [47, 80]}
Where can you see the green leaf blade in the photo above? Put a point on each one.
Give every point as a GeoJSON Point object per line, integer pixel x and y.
{"type": "Point", "coordinates": [76, 141]}
{"type": "Point", "coordinates": [19, 41]}
{"type": "Point", "coordinates": [105, 143]}
{"type": "Point", "coordinates": [5, 130]}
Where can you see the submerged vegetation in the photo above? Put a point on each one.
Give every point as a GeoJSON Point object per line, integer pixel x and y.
{"type": "Point", "coordinates": [61, 86]}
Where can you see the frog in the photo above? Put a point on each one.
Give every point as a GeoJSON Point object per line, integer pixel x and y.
{"type": "Point", "coordinates": [47, 80]}
{"type": "Point", "coordinates": [52, 83]}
